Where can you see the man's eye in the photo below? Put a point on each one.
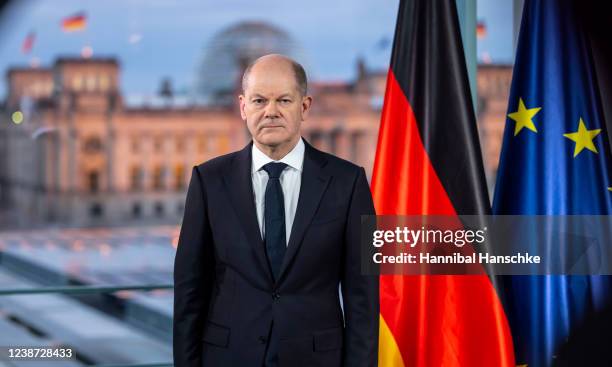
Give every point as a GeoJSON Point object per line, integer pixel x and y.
{"type": "Point", "coordinates": [258, 101]}
{"type": "Point", "coordinates": [285, 101]}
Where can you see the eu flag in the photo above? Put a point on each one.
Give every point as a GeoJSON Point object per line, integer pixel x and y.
{"type": "Point", "coordinates": [555, 161]}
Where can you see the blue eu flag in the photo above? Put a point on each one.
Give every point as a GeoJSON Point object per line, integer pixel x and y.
{"type": "Point", "coordinates": [555, 160]}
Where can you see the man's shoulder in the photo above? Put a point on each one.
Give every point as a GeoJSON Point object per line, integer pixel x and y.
{"type": "Point", "coordinates": [335, 164]}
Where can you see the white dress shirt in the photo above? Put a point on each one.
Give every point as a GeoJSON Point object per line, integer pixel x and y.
{"type": "Point", "coordinates": [290, 179]}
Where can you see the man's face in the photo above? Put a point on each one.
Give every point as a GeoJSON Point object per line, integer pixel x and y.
{"type": "Point", "coordinates": [272, 104]}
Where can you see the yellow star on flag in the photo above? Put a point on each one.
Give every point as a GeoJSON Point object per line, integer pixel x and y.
{"type": "Point", "coordinates": [609, 188]}
{"type": "Point", "coordinates": [583, 138]}
{"type": "Point", "coordinates": [523, 117]}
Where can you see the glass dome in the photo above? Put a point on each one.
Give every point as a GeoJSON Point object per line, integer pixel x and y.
{"type": "Point", "coordinates": [228, 54]}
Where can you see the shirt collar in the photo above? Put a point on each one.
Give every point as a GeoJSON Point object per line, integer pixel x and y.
{"type": "Point", "coordinates": [294, 159]}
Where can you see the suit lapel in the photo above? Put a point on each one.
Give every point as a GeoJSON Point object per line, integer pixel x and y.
{"type": "Point", "coordinates": [240, 189]}
{"type": "Point", "coordinates": [314, 183]}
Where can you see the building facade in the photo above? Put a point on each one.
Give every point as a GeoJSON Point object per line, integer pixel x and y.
{"type": "Point", "coordinates": [493, 92]}
{"type": "Point", "coordinates": [78, 155]}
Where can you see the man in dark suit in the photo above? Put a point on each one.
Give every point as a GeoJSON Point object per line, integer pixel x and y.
{"type": "Point", "coordinates": [269, 234]}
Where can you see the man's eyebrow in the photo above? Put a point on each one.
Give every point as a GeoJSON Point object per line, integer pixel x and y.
{"type": "Point", "coordinates": [284, 95]}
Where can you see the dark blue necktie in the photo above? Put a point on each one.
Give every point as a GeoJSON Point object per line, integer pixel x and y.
{"type": "Point", "coordinates": [274, 217]}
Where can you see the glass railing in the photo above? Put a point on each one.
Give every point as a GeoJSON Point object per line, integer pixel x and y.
{"type": "Point", "coordinates": [92, 289]}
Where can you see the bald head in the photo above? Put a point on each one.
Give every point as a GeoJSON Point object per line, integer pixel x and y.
{"type": "Point", "coordinates": [277, 62]}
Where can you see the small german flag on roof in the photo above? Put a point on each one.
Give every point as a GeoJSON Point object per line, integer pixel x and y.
{"type": "Point", "coordinates": [73, 23]}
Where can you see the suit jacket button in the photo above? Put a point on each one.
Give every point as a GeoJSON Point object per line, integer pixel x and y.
{"type": "Point", "coordinates": [262, 339]}
{"type": "Point", "coordinates": [275, 296]}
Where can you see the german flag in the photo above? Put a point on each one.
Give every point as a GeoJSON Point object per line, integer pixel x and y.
{"type": "Point", "coordinates": [428, 162]}
{"type": "Point", "coordinates": [73, 23]}
{"type": "Point", "coordinates": [481, 29]}
{"type": "Point", "coordinates": [28, 43]}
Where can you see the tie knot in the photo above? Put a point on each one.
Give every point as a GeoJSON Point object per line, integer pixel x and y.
{"type": "Point", "coordinates": [274, 169]}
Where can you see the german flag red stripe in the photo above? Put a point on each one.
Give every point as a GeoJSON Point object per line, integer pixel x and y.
{"type": "Point", "coordinates": [428, 161]}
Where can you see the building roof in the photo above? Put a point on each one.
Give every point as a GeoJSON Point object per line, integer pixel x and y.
{"type": "Point", "coordinates": [27, 69]}
{"type": "Point", "coordinates": [483, 66]}
{"type": "Point", "coordinates": [331, 86]}
{"type": "Point", "coordinates": [80, 60]}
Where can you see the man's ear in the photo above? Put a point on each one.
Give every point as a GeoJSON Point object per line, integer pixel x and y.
{"type": "Point", "coordinates": [306, 103]}
{"type": "Point", "coordinates": [242, 100]}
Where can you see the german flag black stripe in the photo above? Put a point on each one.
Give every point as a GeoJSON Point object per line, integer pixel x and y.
{"type": "Point", "coordinates": [429, 65]}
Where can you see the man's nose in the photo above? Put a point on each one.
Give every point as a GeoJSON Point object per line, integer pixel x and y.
{"type": "Point", "coordinates": [272, 110]}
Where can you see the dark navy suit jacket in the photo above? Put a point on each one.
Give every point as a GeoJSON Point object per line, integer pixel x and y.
{"type": "Point", "coordinates": [225, 300]}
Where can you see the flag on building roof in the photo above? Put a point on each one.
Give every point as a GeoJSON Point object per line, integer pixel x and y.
{"type": "Point", "coordinates": [73, 23]}
{"type": "Point", "coordinates": [28, 43]}
{"type": "Point", "coordinates": [481, 29]}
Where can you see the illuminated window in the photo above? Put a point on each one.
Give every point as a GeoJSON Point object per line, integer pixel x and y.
{"type": "Point", "coordinates": [136, 176]}
{"type": "Point", "coordinates": [91, 83]}
{"type": "Point", "coordinates": [103, 82]}
{"type": "Point", "coordinates": [179, 177]}
{"type": "Point", "coordinates": [37, 89]}
{"type": "Point", "coordinates": [93, 181]}
{"type": "Point", "coordinates": [77, 82]}
{"type": "Point", "coordinates": [158, 178]}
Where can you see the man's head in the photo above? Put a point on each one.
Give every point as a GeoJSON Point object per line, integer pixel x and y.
{"type": "Point", "coordinates": [274, 102]}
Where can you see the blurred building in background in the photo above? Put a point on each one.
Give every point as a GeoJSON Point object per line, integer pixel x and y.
{"type": "Point", "coordinates": [73, 152]}
{"type": "Point", "coordinates": [493, 83]}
